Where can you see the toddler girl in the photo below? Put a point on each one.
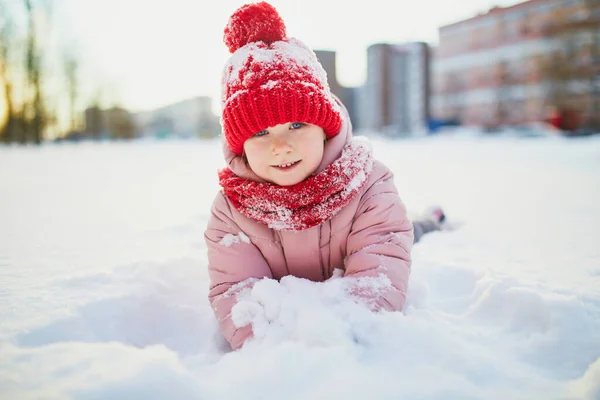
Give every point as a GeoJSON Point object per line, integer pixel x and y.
{"type": "Point", "coordinates": [299, 196]}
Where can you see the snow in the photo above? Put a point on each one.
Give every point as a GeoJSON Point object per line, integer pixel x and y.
{"type": "Point", "coordinates": [240, 71]}
{"type": "Point", "coordinates": [104, 282]}
{"type": "Point", "coordinates": [229, 239]}
{"type": "Point", "coordinates": [363, 150]}
{"type": "Point", "coordinates": [281, 51]}
{"type": "Point", "coordinates": [303, 310]}
{"type": "Point", "coordinates": [241, 289]}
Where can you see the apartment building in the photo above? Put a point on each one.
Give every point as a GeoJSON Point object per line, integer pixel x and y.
{"type": "Point", "coordinates": [347, 95]}
{"type": "Point", "coordinates": [395, 97]}
{"type": "Point", "coordinates": [496, 68]}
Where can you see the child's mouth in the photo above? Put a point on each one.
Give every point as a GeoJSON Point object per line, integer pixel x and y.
{"type": "Point", "coordinates": [287, 166]}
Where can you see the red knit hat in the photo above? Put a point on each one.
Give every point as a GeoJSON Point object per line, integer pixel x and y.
{"type": "Point", "coordinates": [271, 79]}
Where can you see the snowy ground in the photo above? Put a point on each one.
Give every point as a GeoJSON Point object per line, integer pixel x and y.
{"type": "Point", "coordinates": [103, 281]}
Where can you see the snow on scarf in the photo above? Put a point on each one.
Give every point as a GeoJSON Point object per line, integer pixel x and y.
{"type": "Point", "coordinates": [305, 204]}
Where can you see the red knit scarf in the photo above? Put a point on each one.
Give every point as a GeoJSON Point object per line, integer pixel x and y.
{"type": "Point", "coordinates": [305, 204]}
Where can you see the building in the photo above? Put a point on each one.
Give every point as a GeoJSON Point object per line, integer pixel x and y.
{"type": "Point", "coordinates": [327, 58]}
{"type": "Point", "coordinates": [188, 118]}
{"type": "Point", "coordinates": [351, 101]}
{"type": "Point", "coordinates": [395, 97]}
{"type": "Point", "coordinates": [114, 122]}
{"type": "Point", "coordinates": [94, 122]}
{"type": "Point", "coordinates": [501, 67]}
{"type": "Point", "coordinates": [120, 124]}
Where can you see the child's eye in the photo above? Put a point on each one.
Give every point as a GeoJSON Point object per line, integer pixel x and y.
{"type": "Point", "coordinates": [261, 133]}
{"type": "Point", "coordinates": [297, 125]}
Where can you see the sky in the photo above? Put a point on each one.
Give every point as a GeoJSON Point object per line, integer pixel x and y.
{"type": "Point", "coordinates": [104, 282]}
{"type": "Point", "coordinates": [144, 54]}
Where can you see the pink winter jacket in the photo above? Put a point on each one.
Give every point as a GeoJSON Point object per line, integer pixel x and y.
{"type": "Point", "coordinates": [370, 232]}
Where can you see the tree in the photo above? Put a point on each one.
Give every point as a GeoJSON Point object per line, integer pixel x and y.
{"type": "Point", "coordinates": [71, 70]}
{"type": "Point", "coordinates": [502, 94]}
{"type": "Point", "coordinates": [22, 70]}
{"type": "Point", "coordinates": [34, 110]}
{"type": "Point", "coordinates": [9, 131]}
{"type": "Point", "coordinates": [455, 85]}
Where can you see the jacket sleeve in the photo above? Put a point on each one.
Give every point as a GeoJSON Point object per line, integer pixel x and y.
{"type": "Point", "coordinates": [232, 263]}
{"type": "Point", "coordinates": [379, 246]}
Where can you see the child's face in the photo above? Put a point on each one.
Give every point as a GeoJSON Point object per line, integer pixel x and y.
{"type": "Point", "coordinates": [270, 152]}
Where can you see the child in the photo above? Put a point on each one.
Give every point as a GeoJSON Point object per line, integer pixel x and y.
{"type": "Point", "coordinates": [300, 196]}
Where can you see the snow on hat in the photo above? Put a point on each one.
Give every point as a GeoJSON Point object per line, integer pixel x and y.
{"type": "Point", "coordinates": [271, 79]}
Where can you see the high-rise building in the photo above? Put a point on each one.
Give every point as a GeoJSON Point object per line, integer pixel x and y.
{"type": "Point", "coordinates": [395, 97]}
{"type": "Point", "coordinates": [327, 58]}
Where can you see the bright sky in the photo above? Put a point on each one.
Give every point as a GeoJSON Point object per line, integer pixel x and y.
{"type": "Point", "coordinates": [146, 54]}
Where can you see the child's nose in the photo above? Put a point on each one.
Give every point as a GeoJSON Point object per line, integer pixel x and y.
{"type": "Point", "coordinates": [281, 144]}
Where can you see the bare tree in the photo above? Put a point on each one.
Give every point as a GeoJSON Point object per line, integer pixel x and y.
{"type": "Point", "coordinates": [35, 109]}
{"type": "Point", "coordinates": [71, 70]}
{"type": "Point", "coordinates": [502, 94]}
{"type": "Point", "coordinates": [8, 132]}
{"type": "Point", "coordinates": [455, 86]}
{"type": "Point", "coordinates": [22, 70]}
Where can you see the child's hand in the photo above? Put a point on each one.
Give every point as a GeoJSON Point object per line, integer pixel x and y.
{"type": "Point", "coordinates": [369, 291]}
{"type": "Point", "coordinates": [259, 307]}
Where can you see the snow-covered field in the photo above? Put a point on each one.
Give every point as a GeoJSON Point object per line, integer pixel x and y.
{"type": "Point", "coordinates": [103, 281]}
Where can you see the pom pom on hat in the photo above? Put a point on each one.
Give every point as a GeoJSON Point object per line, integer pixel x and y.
{"type": "Point", "coordinates": [253, 23]}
